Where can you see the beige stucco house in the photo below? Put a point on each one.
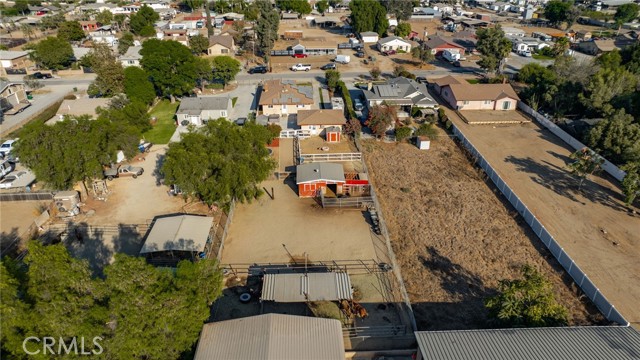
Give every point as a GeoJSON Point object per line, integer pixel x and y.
{"type": "Point", "coordinates": [480, 96]}
{"type": "Point", "coordinates": [317, 121]}
{"type": "Point", "coordinates": [284, 97]}
{"type": "Point", "coordinates": [221, 45]}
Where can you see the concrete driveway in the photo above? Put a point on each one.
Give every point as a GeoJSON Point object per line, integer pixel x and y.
{"type": "Point", "coordinates": [247, 101]}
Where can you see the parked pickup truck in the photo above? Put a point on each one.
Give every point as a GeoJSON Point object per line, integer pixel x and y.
{"type": "Point", "coordinates": [123, 170]}
{"type": "Point", "coordinates": [301, 67]}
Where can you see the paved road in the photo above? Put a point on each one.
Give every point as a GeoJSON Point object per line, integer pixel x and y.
{"type": "Point", "coordinates": [39, 103]}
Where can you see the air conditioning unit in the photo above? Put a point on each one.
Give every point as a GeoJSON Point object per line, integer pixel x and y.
{"type": "Point", "coordinates": [66, 203]}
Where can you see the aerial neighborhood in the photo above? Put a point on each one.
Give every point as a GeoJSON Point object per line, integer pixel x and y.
{"type": "Point", "coordinates": [320, 179]}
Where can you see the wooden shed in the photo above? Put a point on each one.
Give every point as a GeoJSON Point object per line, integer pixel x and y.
{"type": "Point", "coordinates": [314, 178]}
{"type": "Point", "coordinates": [332, 134]}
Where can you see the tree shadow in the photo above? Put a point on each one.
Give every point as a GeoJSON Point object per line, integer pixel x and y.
{"type": "Point", "coordinates": [128, 241]}
{"type": "Point", "coordinates": [88, 243]}
{"type": "Point", "coordinates": [563, 183]}
{"type": "Point", "coordinates": [454, 278]}
{"type": "Point", "coordinates": [9, 242]}
{"type": "Point", "coordinates": [157, 171]}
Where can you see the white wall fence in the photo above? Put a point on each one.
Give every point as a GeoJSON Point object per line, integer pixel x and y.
{"type": "Point", "coordinates": [587, 286]}
{"type": "Point", "coordinates": [290, 134]}
{"type": "Point", "coordinates": [556, 130]}
{"type": "Point", "coordinates": [330, 157]}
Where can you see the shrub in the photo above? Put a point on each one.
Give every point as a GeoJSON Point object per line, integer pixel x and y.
{"type": "Point", "coordinates": [351, 114]}
{"type": "Point", "coordinates": [402, 133]}
{"type": "Point", "coordinates": [427, 130]}
{"type": "Point", "coordinates": [70, 97]}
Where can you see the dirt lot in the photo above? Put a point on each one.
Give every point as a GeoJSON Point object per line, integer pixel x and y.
{"type": "Point", "coordinates": [453, 236]}
{"type": "Point", "coordinates": [477, 117]}
{"type": "Point", "coordinates": [314, 145]}
{"type": "Point", "coordinates": [259, 229]}
{"type": "Point", "coordinates": [602, 238]}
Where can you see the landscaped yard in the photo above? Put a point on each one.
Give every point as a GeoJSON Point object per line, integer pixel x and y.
{"type": "Point", "coordinates": [165, 125]}
{"type": "Point", "coordinates": [542, 57]}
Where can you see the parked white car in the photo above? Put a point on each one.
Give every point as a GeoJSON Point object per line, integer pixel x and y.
{"type": "Point", "coordinates": [6, 147]}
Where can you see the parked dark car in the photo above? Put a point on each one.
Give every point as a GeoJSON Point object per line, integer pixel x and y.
{"type": "Point", "coordinates": [456, 64]}
{"type": "Point", "coordinates": [360, 54]}
{"type": "Point", "coordinates": [421, 80]}
{"type": "Point", "coordinates": [258, 70]}
{"type": "Point", "coordinates": [390, 52]}
{"type": "Point", "coordinates": [331, 66]}
{"type": "Point", "coordinates": [38, 75]}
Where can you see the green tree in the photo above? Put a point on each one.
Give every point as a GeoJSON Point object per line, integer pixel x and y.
{"type": "Point", "coordinates": [299, 6]}
{"type": "Point", "coordinates": [375, 72]}
{"type": "Point", "coordinates": [134, 113]}
{"type": "Point", "coordinates": [194, 4]}
{"type": "Point", "coordinates": [556, 11]}
{"type": "Point", "coordinates": [422, 54]}
{"type": "Point", "coordinates": [22, 7]}
{"type": "Point", "coordinates": [605, 85]}
{"type": "Point", "coordinates": [198, 44]}
{"type": "Point", "coordinates": [33, 84]}
{"type": "Point", "coordinates": [27, 30]}
{"type": "Point", "coordinates": [322, 6]}
{"type": "Point", "coordinates": [126, 41]}
{"type": "Point", "coordinates": [561, 46]}
{"type": "Point", "coordinates": [143, 20]}
{"type": "Point", "coordinates": [105, 17]}
{"type": "Point", "coordinates": [586, 163]}
{"type": "Point", "coordinates": [369, 15]}
{"type": "Point", "coordinates": [225, 68]}
{"type": "Point", "coordinates": [137, 85]}
{"type": "Point", "coordinates": [631, 58]}
{"type": "Point", "coordinates": [266, 27]}
{"type": "Point", "coordinates": [526, 302]}
{"type": "Point", "coordinates": [610, 59]}
{"type": "Point", "coordinates": [494, 47]}
{"type": "Point", "coordinates": [626, 13]}
{"type": "Point", "coordinates": [220, 163]}
{"type": "Point", "coordinates": [401, 8]}
{"type": "Point", "coordinates": [617, 138]}
{"type": "Point", "coordinates": [251, 12]}
{"type": "Point", "coordinates": [51, 21]}
{"type": "Point", "coordinates": [171, 67]}
{"type": "Point", "coordinates": [72, 151]}
{"type": "Point", "coordinates": [109, 72]}
{"type": "Point", "coordinates": [13, 310]}
{"type": "Point", "coordinates": [403, 29]}
{"type": "Point", "coordinates": [71, 31]}
{"type": "Point", "coordinates": [427, 130]}
{"type": "Point", "coordinates": [53, 53]}
{"type": "Point", "coordinates": [631, 182]}
{"type": "Point", "coordinates": [402, 132]}
{"type": "Point", "coordinates": [333, 77]}
{"type": "Point", "coordinates": [381, 119]}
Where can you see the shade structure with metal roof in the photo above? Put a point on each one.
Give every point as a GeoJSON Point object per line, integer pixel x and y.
{"type": "Point", "coordinates": [329, 172]}
{"type": "Point", "coordinates": [272, 337]}
{"type": "Point", "coordinates": [178, 233]}
{"type": "Point", "coordinates": [563, 343]}
{"type": "Point", "coordinates": [299, 287]}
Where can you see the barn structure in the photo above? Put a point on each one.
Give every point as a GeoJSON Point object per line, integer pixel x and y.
{"type": "Point", "coordinates": [315, 178]}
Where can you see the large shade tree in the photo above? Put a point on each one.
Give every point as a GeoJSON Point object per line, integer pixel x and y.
{"type": "Point", "coordinates": [494, 47]}
{"type": "Point", "coordinates": [369, 15]}
{"type": "Point", "coordinates": [220, 162]}
{"type": "Point", "coordinates": [171, 66]}
{"type": "Point", "coordinates": [53, 53]}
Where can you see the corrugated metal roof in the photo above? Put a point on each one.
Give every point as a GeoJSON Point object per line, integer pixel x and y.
{"type": "Point", "coordinates": [272, 337]}
{"type": "Point", "coordinates": [298, 287]}
{"type": "Point", "coordinates": [180, 233]}
{"type": "Point", "coordinates": [566, 343]}
{"type": "Point", "coordinates": [307, 173]}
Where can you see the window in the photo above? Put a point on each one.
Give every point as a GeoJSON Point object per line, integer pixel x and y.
{"type": "Point", "coordinates": [223, 113]}
{"type": "Point", "coordinates": [506, 105]}
{"type": "Point", "coordinates": [487, 102]}
{"type": "Point", "coordinates": [465, 102]}
{"type": "Point", "coordinates": [270, 106]}
{"type": "Point", "coordinates": [300, 106]}
{"type": "Point", "coordinates": [224, 51]}
{"type": "Point", "coordinates": [130, 62]}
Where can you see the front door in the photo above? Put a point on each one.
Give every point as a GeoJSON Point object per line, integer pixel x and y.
{"type": "Point", "coordinates": [284, 110]}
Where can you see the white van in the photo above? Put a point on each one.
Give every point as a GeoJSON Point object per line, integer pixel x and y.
{"type": "Point", "coordinates": [342, 59]}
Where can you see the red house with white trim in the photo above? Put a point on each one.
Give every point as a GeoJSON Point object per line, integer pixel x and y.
{"type": "Point", "coordinates": [314, 178]}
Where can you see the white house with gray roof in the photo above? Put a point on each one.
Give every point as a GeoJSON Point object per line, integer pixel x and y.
{"type": "Point", "coordinates": [394, 43]}
{"type": "Point", "coordinates": [198, 110]}
{"type": "Point", "coordinates": [131, 57]}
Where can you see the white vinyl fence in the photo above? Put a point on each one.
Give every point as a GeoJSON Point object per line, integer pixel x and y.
{"type": "Point", "coordinates": [556, 130]}
{"type": "Point", "coordinates": [587, 286]}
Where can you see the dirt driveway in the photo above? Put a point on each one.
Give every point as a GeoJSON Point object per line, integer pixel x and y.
{"type": "Point", "coordinates": [259, 230]}
{"type": "Point", "coordinates": [591, 225]}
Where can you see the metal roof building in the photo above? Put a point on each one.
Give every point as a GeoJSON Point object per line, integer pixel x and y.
{"type": "Point", "coordinates": [322, 171]}
{"type": "Point", "coordinates": [299, 287]}
{"type": "Point", "coordinates": [562, 343]}
{"type": "Point", "coordinates": [272, 337]}
{"type": "Point", "coordinates": [178, 233]}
